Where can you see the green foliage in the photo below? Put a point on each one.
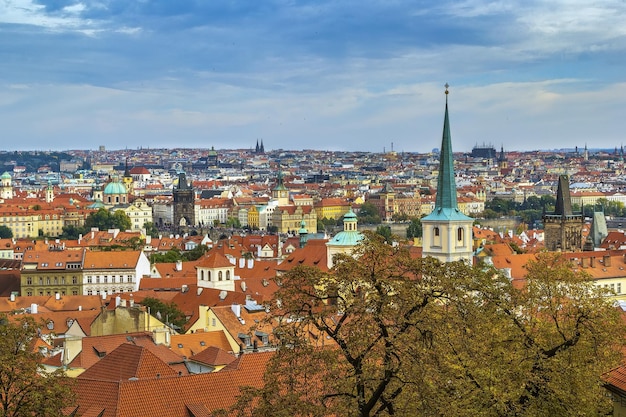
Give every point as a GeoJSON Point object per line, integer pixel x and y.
{"type": "Point", "coordinates": [72, 232]}
{"type": "Point", "coordinates": [233, 222]}
{"type": "Point", "coordinates": [170, 256]}
{"type": "Point", "coordinates": [25, 389]}
{"type": "Point", "coordinates": [151, 229]}
{"type": "Point", "coordinates": [385, 334]}
{"type": "Point", "coordinates": [168, 313]}
{"type": "Point", "coordinates": [103, 219]}
{"type": "Point", "coordinates": [196, 253]}
{"type": "Point", "coordinates": [385, 232]}
{"type": "Point", "coordinates": [368, 214]}
{"type": "Point", "coordinates": [414, 229]}
{"type": "Point", "coordinates": [5, 232]}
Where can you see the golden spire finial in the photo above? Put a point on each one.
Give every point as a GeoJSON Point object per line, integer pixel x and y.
{"type": "Point", "coordinates": [446, 88]}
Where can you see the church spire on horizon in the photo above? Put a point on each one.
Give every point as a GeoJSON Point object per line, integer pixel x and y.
{"type": "Point", "coordinates": [446, 185]}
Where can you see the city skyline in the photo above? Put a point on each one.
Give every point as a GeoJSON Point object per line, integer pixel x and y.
{"type": "Point", "coordinates": [322, 75]}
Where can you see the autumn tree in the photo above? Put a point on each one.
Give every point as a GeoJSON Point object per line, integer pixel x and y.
{"type": "Point", "coordinates": [25, 389]}
{"type": "Point", "coordinates": [169, 313]}
{"type": "Point", "coordinates": [384, 334]}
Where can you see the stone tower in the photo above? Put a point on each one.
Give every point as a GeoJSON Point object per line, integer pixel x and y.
{"type": "Point", "coordinates": [563, 229]}
{"type": "Point", "coordinates": [184, 198]}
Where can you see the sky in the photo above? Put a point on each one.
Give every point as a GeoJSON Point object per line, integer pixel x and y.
{"type": "Point", "coordinates": [353, 75]}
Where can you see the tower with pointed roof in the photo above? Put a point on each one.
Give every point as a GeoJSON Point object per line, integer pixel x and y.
{"type": "Point", "coordinates": [563, 228]}
{"type": "Point", "coordinates": [127, 179]}
{"type": "Point", "coordinates": [184, 203]}
{"type": "Point", "coordinates": [280, 193]}
{"type": "Point", "coordinates": [447, 232]}
{"type": "Point", "coordinates": [345, 241]}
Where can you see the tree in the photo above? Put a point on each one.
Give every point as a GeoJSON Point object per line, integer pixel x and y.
{"type": "Point", "coordinates": [72, 232]}
{"type": "Point", "coordinates": [414, 229]}
{"type": "Point", "coordinates": [196, 253]}
{"type": "Point", "coordinates": [5, 232]}
{"type": "Point", "coordinates": [172, 255]}
{"type": "Point", "coordinates": [25, 389]}
{"type": "Point", "coordinates": [369, 214]}
{"type": "Point", "coordinates": [103, 219]}
{"type": "Point", "coordinates": [385, 334]}
{"type": "Point", "coordinates": [169, 313]}
{"type": "Point", "coordinates": [233, 222]}
{"type": "Point", "coordinates": [385, 232]}
{"type": "Point", "coordinates": [151, 229]}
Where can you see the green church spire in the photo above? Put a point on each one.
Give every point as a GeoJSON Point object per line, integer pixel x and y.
{"type": "Point", "coordinates": [446, 186]}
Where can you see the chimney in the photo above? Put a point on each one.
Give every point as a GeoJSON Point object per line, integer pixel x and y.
{"type": "Point", "coordinates": [57, 296]}
{"type": "Point", "coordinates": [80, 308]}
{"type": "Point", "coordinates": [236, 309]}
{"type": "Point", "coordinates": [250, 263]}
{"type": "Point", "coordinates": [118, 301]}
{"type": "Point", "coordinates": [584, 262]}
{"type": "Point", "coordinates": [242, 262]}
{"type": "Point", "coordinates": [607, 260]}
{"type": "Point", "coordinates": [244, 286]}
{"type": "Point", "coordinates": [179, 266]}
{"type": "Point", "coordinates": [12, 296]}
{"type": "Point", "coordinates": [33, 308]}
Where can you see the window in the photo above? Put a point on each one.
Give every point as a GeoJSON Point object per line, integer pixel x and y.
{"type": "Point", "coordinates": [74, 292]}
{"type": "Point", "coordinates": [227, 275]}
{"type": "Point", "coordinates": [29, 281]}
{"type": "Point", "coordinates": [89, 292]}
{"type": "Point", "coordinates": [29, 293]}
{"type": "Point", "coordinates": [436, 231]}
{"type": "Point", "coordinates": [201, 275]}
{"type": "Point", "coordinates": [40, 281]}
{"type": "Point", "coordinates": [619, 287]}
{"type": "Point", "coordinates": [219, 276]}
{"type": "Point", "coordinates": [459, 234]}
{"type": "Point", "coordinates": [47, 280]}
{"type": "Point", "coordinates": [74, 280]}
{"type": "Point", "coordinates": [88, 279]}
{"type": "Point", "coordinates": [209, 273]}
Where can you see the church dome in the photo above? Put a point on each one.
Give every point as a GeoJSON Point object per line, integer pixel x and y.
{"type": "Point", "coordinates": [114, 188]}
{"type": "Point", "coordinates": [6, 176]}
{"type": "Point", "coordinates": [350, 236]}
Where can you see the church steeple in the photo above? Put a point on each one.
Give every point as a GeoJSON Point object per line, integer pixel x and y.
{"type": "Point", "coordinates": [447, 232]}
{"type": "Point", "coordinates": [446, 185]}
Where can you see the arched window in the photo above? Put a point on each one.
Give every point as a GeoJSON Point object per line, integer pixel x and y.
{"type": "Point", "coordinates": [209, 273]}
{"type": "Point", "coordinates": [202, 275]}
{"type": "Point", "coordinates": [436, 231]}
{"type": "Point", "coordinates": [459, 234]}
{"type": "Point", "coordinates": [219, 276]}
{"type": "Point", "coordinates": [227, 275]}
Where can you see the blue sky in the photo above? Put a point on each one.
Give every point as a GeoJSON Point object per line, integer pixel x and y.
{"type": "Point", "coordinates": [300, 74]}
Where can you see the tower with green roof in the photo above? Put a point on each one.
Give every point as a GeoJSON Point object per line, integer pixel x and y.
{"type": "Point", "coordinates": [447, 232]}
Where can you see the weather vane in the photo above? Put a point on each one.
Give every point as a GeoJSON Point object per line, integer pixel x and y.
{"type": "Point", "coordinates": [446, 87]}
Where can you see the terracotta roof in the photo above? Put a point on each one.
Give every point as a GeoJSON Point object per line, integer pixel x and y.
{"type": "Point", "coordinates": [145, 397]}
{"type": "Point", "coordinates": [214, 356]}
{"type": "Point", "coordinates": [214, 260]}
{"type": "Point", "coordinates": [313, 254]}
{"type": "Point", "coordinates": [128, 361]}
{"type": "Point", "coordinates": [189, 345]}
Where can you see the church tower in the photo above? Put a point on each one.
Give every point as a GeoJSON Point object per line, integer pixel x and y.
{"type": "Point", "coordinates": [563, 229]}
{"type": "Point", "coordinates": [280, 193]}
{"type": "Point", "coordinates": [447, 232]}
{"type": "Point", "coordinates": [49, 192]}
{"type": "Point", "coordinates": [6, 189]}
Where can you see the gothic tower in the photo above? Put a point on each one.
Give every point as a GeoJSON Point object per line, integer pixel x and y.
{"type": "Point", "coordinates": [184, 198]}
{"type": "Point", "coordinates": [563, 229]}
{"type": "Point", "coordinates": [447, 233]}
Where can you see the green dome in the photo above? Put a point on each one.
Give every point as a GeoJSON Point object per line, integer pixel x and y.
{"type": "Point", "coordinates": [114, 188]}
{"type": "Point", "coordinates": [6, 176]}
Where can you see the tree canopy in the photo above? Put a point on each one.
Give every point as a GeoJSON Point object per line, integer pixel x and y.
{"type": "Point", "coordinates": [5, 232]}
{"type": "Point", "coordinates": [169, 313]}
{"type": "Point", "coordinates": [103, 219]}
{"type": "Point", "coordinates": [385, 334]}
{"type": "Point", "coordinates": [25, 389]}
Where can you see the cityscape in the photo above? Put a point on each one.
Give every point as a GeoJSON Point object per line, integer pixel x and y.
{"type": "Point", "coordinates": [312, 209]}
